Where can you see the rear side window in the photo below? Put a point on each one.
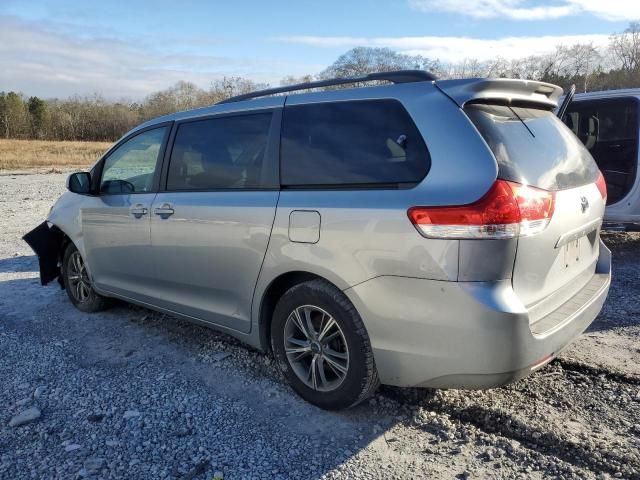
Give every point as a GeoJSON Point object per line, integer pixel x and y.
{"type": "Point", "coordinates": [356, 143]}
{"type": "Point", "coordinates": [533, 147]}
{"type": "Point", "coordinates": [220, 153]}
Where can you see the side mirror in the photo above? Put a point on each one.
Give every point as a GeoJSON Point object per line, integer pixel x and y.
{"type": "Point", "coordinates": [79, 182]}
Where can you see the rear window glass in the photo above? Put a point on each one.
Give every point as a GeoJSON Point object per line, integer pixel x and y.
{"type": "Point", "coordinates": [533, 146]}
{"type": "Point", "coordinates": [351, 143]}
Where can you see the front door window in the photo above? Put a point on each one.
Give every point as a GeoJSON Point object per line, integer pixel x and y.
{"type": "Point", "coordinates": [131, 167]}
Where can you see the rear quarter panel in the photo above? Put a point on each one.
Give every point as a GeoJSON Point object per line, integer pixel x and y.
{"type": "Point", "coordinates": [366, 233]}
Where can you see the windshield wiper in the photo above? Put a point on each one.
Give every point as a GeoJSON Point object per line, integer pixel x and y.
{"type": "Point", "coordinates": [522, 121]}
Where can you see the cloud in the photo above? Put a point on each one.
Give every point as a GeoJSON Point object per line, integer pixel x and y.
{"type": "Point", "coordinates": [515, 9]}
{"type": "Point", "coordinates": [452, 49]}
{"type": "Point", "coordinates": [529, 10]}
{"type": "Point", "coordinates": [38, 60]}
{"type": "Point", "coordinates": [615, 10]}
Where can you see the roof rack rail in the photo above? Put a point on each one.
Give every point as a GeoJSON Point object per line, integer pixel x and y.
{"type": "Point", "coordinates": [398, 76]}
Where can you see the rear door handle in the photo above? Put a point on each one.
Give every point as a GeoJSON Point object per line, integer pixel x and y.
{"type": "Point", "coordinates": [165, 211]}
{"type": "Point", "coordinates": [138, 210]}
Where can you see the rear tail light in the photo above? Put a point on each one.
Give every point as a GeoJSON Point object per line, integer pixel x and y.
{"type": "Point", "coordinates": [602, 186]}
{"type": "Point", "coordinates": [507, 210]}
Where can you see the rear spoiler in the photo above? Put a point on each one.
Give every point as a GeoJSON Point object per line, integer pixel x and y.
{"type": "Point", "coordinates": [505, 91]}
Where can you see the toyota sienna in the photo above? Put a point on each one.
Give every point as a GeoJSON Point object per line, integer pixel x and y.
{"type": "Point", "coordinates": [416, 232]}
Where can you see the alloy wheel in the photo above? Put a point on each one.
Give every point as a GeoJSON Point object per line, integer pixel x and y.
{"type": "Point", "coordinates": [78, 278]}
{"type": "Point", "coordinates": [316, 348]}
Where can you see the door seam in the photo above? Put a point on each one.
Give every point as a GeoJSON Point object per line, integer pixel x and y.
{"type": "Point", "coordinates": [264, 257]}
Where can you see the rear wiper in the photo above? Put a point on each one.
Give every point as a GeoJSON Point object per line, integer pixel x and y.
{"type": "Point", "coordinates": [567, 100]}
{"type": "Point", "coordinates": [522, 121]}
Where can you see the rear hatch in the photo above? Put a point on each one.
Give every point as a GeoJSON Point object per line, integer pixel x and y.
{"type": "Point", "coordinates": [534, 148]}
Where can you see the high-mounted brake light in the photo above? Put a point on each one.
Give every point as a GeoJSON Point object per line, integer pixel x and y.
{"type": "Point", "coordinates": [507, 210]}
{"type": "Point", "coordinates": [602, 186]}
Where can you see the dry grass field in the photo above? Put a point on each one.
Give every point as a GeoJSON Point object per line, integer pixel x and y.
{"type": "Point", "coordinates": [54, 155]}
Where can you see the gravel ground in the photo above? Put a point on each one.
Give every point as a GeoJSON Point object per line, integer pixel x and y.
{"type": "Point", "coordinates": [129, 393]}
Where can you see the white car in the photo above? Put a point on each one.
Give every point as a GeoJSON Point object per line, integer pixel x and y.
{"type": "Point", "coordinates": [607, 123]}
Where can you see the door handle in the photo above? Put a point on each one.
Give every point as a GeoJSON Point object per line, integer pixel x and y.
{"type": "Point", "coordinates": [138, 210]}
{"type": "Point", "coordinates": [165, 211]}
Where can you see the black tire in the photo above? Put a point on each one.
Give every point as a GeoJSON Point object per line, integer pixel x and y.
{"type": "Point", "coordinates": [88, 301]}
{"type": "Point", "coordinates": [361, 378]}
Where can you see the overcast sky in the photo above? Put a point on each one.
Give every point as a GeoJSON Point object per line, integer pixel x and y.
{"type": "Point", "coordinates": [129, 49]}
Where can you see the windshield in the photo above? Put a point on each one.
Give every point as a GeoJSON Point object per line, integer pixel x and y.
{"type": "Point", "coordinates": [533, 147]}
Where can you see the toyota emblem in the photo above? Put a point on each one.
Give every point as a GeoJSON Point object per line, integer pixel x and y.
{"type": "Point", "coordinates": [584, 204]}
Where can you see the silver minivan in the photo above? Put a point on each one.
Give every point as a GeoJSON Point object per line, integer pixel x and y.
{"type": "Point", "coordinates": [415, 233]}
{"type": "Point", "coordinates": [608, 123]}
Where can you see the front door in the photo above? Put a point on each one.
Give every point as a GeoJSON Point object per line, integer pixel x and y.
{"type": "Point", "coordinates": [211, 226]}
{"type": "Point", "coordinates": [116, 223]}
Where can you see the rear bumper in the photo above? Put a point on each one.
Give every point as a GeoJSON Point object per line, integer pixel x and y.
{"type": "Point", "coordinates": [467, 334]}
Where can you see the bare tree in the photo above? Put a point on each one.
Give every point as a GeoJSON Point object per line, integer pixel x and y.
{"type": "Point", "coordinates": [625, 48]}
{"type": "Point", "coordinates": [291, 80]}
{"type": "Point", "coordinates": [465, 69]}
{"type": "Point", "coordinates": [582, 61]}
{"type": "Point", "coordinates": [364, 60]}
{"type": "Point", "coordinates": [231, 86]}
{"type": "Point", "coordinates": [499, 67]}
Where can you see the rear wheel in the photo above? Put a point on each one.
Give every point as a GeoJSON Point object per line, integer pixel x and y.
{"type": "Point", "coordinates": [78, 284]}
{"type": "Point", "coordinates": [322, 346]}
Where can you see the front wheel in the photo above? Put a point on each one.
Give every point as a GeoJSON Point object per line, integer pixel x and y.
{"type": "Point", "coordinates": [78, 284]}
{"type": "Point", "coordinates": [322, 346]}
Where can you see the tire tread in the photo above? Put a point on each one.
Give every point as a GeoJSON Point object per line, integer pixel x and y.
{"type": "Point", "coordinates": [97, 304]}
{"type": "Point", "coordinates": [370, 381]}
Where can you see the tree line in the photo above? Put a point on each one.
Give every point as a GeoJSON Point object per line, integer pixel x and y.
{"type": "Point", "coordinates": [95, 118]}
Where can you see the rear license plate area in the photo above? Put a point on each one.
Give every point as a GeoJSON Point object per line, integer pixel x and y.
{"type": "Point", "coordinates": [572, 252]}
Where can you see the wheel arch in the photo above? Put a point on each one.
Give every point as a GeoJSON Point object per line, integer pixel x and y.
{"type": "Point", "coordinates": [272, 293]}
{"type": "Point", "coordinates": [65, 240]}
